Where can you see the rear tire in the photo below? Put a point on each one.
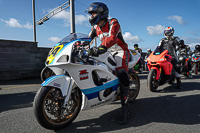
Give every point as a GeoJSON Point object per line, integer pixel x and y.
{"type": "Point", "coordinates": [47, 107]}
{"type": "Point", "coordinates": [152, 83]}
{"type": "Point", "coordinates": [134, 86]}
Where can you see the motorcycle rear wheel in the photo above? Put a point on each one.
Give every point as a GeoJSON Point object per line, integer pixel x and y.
{"type": "Point", "coordinates": [48, 108]}
{"type": "Point", "coordinates": [152, 83]}
{"type": "Point", "coordinates": [134, 86]}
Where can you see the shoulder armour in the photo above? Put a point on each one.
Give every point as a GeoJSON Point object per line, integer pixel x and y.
{"type": "Point", "coordinates": [112, 21]}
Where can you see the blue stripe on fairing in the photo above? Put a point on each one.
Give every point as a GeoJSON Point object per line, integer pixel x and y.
{"type": "Point", "coordinates": [96, 94]}
{"type": "Point", "coordinates": [93, 92]}
{"type": "Point", "coordinates": [50, 79]}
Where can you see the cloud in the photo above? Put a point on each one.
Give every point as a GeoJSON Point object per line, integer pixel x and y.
{"type": "Point", "coordinates": [191, 39]}
{"type": "Point", "coordinates": [15, 23]}
{"type": "Point", "coordinates": [176, 18]}
{"type": "Point", "coordinates": [194, 32]}
{"type": "Point", "coordinates": [155, 30]}
{"type": "Point", "coordinates": [65, 15]}
{"type": "Point", "coordinates": [54, 39]}
{"type": "Point", "coordinates": [81, 19]}
{"type": "Point", "coordinates": [62, 15]}
{"type": "Point", "coordinates": [130, 39]}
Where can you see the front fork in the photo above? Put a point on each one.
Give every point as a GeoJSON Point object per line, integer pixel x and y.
{"type": "Point", "coordinates": [68, 93]}
{"type": "Point", "coordinates": [158, 72]}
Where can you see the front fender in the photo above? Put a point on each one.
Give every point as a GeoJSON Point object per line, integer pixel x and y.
{"type": "Point", "coordinates": [158, 72]}
{"type": "Point", "coordinates": [59, 81]}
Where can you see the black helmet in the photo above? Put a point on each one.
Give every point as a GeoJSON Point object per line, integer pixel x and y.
{"type": "Point", "coordinates": [182, 44]}
{"type": "Point", "coordinates": [197, 47]}
{"type": "Point", "coordinates": [101, 9]}
{"type": "Point", "coordinates": [135, 45]}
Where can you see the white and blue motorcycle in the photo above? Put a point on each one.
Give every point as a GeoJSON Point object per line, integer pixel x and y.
{"type": "Point", "coordinates": [80, 82]}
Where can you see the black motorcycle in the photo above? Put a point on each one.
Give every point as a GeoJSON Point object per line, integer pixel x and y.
{"type": "Point", "coordinates": [183, 62]}
{"type": "Point", "coordinates": [196, 64]}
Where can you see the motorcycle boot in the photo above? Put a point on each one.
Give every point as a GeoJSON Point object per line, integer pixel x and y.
{"type": "Point", "coordinates": [124, 94]}
{"type": "Point", "coordinates": [125, 114]}
{"type": "Point", "coordinates": [190, 75]}
{"type": "Point", "coordinates": [178, 83]}
{"type": "Point", "coordinates": [178, 79]}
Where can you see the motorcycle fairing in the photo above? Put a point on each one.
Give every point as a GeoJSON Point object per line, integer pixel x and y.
{"type": "Point", "coordinates": [160, 60]}
{"type": "Point", "coordinates": [55, 52]}
{"type": "Point", "coordinates": [196, 59]}
{"type": "Point", "coordinates": [94, 91]}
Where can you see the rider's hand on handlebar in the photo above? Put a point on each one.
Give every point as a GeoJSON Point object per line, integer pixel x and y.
{"type": "Point", "coordinates": [102, 49]}
{"type": "Point", "coordinates": [96, 51]}
{"type": "Point", "coordinates": [93, 51]}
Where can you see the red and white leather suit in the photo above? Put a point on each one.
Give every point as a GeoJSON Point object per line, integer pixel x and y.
{"type": "Point", "coordinates": [111, 37]}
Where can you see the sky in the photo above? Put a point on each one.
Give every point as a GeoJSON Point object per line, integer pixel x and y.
{"type": "Point", "coordinates": [142, 21]}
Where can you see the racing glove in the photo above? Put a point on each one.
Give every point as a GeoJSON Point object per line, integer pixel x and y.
{"type": "Point", "coordinates": [102, 49]}
{"type": "Point", "coordinates": [93, 51]}
{"type": "Point", "coordinates": [96, 51]}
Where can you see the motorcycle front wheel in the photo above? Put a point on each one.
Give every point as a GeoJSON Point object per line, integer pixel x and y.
{"type": "Point", "coordinates": [152, 83]}
{"type": "Point", "coordinates": [195, 68]}
{"type": "Point", "coordinates": [46, 73]}
{"type": "Point", "coordinates": [49, 111]}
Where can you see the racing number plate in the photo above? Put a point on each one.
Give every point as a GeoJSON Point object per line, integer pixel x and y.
{"type": "Point", "coordinates": [54, 51]}
{"type": "Point", "coordinates": [134, 52]}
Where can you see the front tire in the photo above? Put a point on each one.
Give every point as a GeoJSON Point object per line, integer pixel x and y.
{"type": "Point", "coordinates": [195, 68]}
{"type": "Point", "coordinates": [152, 83]}
{"type": "Point", "coordinates": [46, 73]}
{"type": "Point", "coordinates": [48, 108]}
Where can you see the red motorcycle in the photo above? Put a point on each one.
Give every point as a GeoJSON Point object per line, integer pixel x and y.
{"type": "Point", "coordinates": [161, 69]}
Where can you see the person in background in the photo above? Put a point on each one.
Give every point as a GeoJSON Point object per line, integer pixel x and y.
{"type": "Point", "coordinates": [148, 52]}
{"type": "Point", "coordinates": [197, 50]}
{"type": "Point", "coordinates": [186, 51]}
{"type": "Point", "coordinates": [139, 50]}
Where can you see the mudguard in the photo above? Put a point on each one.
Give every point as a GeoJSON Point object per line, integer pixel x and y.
{"type": "Point", "coordinates": [59, 81]}
{"type": "Point", "coordinates": [158, 72]}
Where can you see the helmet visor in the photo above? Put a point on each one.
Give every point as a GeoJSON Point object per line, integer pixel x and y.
{"type": "Point", "coordinates": [94, 8]}
{"type": "Point", "coordinates": [167, 32]}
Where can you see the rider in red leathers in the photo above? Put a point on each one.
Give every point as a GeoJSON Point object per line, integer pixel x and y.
{"type": "Point", "coordinates": [109, 32]}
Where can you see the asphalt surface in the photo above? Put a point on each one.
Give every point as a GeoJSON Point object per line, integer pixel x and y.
{"type": "Point", "coordinates": [167, 111]}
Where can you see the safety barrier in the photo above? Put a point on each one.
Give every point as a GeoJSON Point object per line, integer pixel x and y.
{"type": "Point", "coordinates": [21, 59]}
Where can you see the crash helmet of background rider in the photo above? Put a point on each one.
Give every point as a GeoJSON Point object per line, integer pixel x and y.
{"type": "Point", "coordinates": [197, 48]}
{"type": "Point", "coordinates": [168, 32]}
{"type": "Point", "coordinates": [136, 46]}
{"type": "Point", "coordinates": [182, 44]}
{"type": "Point", "coordinates": [149, 50]}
